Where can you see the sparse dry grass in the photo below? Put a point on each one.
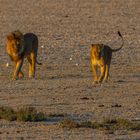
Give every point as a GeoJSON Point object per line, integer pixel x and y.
{"type": "Point", "coordinates": [30, 114]}
{"type": "Point", "coordinates": [56, 115]}
{"type": "Point", "coordinates": [68, 123]}
{"type": "Point", "coordinates": [107, 124]}
{"type": "Point", "coordinates": [23, 114]}
{"type": "Point", "coordinates": [7, 113]}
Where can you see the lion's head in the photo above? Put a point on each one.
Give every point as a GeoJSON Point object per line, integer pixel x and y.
{"type": "Point", "coordinates": [15, 43]}
{"type": "Point", "coordinates": [96, 50]}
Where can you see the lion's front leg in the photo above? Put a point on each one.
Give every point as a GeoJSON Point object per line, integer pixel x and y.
{"type": "Point", "coordinates": [103, 68]}
{"type": "Point", "coordinates": [20, 74]}
{"type": "Point", "coordinates": [94, 70]}
{"type": "Point", "coordinates": [17, 71]}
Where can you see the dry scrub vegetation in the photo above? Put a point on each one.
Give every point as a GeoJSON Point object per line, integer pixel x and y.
{"type": "Point", "coordinates": [30, 114]}
{"type": "Point", "coordinates": [24, 114]}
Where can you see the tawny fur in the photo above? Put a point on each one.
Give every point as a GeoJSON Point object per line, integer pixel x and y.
{"type": "Point", "coordinates": [101, 56]}
{"type": "Point", "coordinates": [21, 46]}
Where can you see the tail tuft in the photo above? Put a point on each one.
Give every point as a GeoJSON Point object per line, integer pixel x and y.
{"type": "Point", "coordinates": [119, 34]}
{"type": "Point", "coordinates": [115, 50]}
{"type": "Point", "coordinates": [38, 63]}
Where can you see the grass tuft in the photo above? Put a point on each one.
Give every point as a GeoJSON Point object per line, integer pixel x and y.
{"type": "Point", "coordinates": [67, 123]}
{"type": "Point", "coordinates": [56, 115]}
{"type": "Point", "coordinates": [110, 125]}
{"type": "Point", "coordinates": [7, 113]}
{"type": "Point", "coordinates": [30, 114]}
{"type": "Point", "coordinates": [24, 114]}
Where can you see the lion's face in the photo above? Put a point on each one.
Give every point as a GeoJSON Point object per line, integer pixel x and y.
{"type": "Point", "coordinates": [15, 44]}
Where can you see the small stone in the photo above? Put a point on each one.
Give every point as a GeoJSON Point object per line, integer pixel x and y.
{"type": "Point", "coordinates": [7, 64]}
{"type": "Point", "coordinates": [116, 105]}
{"type": "Point", "coordinates": [101, 105]}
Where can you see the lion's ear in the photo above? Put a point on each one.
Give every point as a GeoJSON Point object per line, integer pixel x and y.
{"type": "Point", "coordinates": [10, 37]}
{"type": "Point", "coordinates": [17, 34]}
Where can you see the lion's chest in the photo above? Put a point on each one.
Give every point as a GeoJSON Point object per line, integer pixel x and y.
{"type": "Point", "coordinates": [13, 55]}
{"type": "Point", "coordinates": [99, 62]}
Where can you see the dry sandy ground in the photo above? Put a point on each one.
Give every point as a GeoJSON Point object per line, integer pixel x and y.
{"type": "Point", "coordinates": [63, 85]}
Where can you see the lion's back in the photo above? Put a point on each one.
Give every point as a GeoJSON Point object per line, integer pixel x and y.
{"type": "Point", "coordinates": [31, 41]}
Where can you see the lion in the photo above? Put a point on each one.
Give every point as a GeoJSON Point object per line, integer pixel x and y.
{"type": "Point", "coordinates": [101, 56]}
{"type": "Point", "coordinates": [21, 46]}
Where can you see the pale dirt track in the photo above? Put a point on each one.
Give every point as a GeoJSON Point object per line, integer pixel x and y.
{"type": "Point", "coordinates": [66, 28]}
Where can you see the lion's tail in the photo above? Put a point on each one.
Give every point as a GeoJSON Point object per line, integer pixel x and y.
{"type": "Point", "coordinates": [115, 50]}
{"type": "Point", "coordinates": [38, 62]}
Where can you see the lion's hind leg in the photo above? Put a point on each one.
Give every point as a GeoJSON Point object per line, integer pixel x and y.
{"type": "Point", "coordinates": [30, 67]}
{"type": "Point", "coordinates": [106, 72]}
{"type": "Point", "coordinates": [107, 67]}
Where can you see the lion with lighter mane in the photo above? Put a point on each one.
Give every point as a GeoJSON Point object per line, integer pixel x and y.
{"type": "Point", "coordinates": [20, 46]}
{"type": "Point", "coordinates": [101, 56]}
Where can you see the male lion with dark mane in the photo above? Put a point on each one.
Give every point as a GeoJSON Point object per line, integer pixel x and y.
{"type": "Point", "coordinates": [21, 46]}
{"type": "Point", "coordinates": [101, 56]}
